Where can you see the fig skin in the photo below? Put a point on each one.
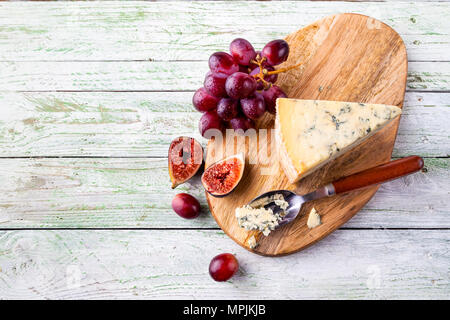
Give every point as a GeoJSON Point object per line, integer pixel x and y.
{"type": "Point", "coordinates": [209, 178]}
{"type": "Point", "coordinates": [181, 170]}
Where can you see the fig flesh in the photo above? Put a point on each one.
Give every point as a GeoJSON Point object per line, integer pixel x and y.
{"type": "Point", "coordinates": [220, 178]}
{"type": "Point", "coordinates": [185, 159]}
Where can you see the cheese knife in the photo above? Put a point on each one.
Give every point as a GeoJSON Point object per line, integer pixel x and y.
{"type": "Point", "coordinates": [373, 176]}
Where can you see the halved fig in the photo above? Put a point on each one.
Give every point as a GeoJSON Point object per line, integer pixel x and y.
{"type": "Point", "coordinates": [220, 178]}
{"type": "Point", "coordinates": [185, 159]}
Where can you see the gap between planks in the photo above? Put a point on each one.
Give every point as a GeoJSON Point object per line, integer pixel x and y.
{"type": "Point", "coordinates": [194, 229]}
{"type": "Point", "coordinates": [142, 157]}
{"type": "Point", "coordinates": [164, 91]}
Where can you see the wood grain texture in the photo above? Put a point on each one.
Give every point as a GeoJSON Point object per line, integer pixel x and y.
{"type": "Point", "coordinates": [135, 193]}
{"type": "Point", "coordinates": [158, 76]}
{"type": "Point", "coordinates": [157, 264]}
{"type": "Point", "coordinates": [144, 123]}
{"type": "Point", "coordinates": [353, 61]}
{"type": "Point", "coordinates": [191, 31]}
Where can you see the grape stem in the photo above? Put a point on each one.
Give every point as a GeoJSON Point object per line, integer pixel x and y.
{"type": "Point", "coordinates": [263, 71]}
{"type": "Point", "coordinates": [284, 69]}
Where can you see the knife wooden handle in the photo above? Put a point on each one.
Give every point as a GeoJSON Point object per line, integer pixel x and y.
{"type": "Point", "coordinates": [382, 173]}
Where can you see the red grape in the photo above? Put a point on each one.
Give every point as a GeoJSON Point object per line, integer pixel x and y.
{"type": "Point", "coordinates": [223, 267]}
{"type": "Point", "coordinates": [209, 120]}
{"type": "Point", "coordinates": [203, 101]}
{"type": "Point", "coordinates": [227, 108]}
{"type": "Point", "coordinates": [242, 51]}
{"type": "Point", "coordinates": [215, 84]}
{"type": "Point", "coordinates": [242, 123]}
{"type": "Point", "coordinates": [222, 62]}
{"type": "Point", "coordinates": [240, 85]}
{"type": "Point", "coordinates": [231, 89]}
{"type": "Point", "coordinates": [186, 206]}
{"type": "Point", "coordinates": [270, 97]}
{"type": "Point", "coordinates": [243, 69]}
{"type": "Point", "coordinates": [276, 52]}
{"type": "Point", "coordinates": [269, 78]}
{"type": "Point", "coordinates": [253, 107]}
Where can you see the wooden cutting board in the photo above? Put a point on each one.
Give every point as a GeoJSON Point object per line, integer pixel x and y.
{"type": "Point", "coordinates": [346, 57]}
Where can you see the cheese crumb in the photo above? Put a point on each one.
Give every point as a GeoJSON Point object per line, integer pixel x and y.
{"type": "Point", "coordinates": [279, 201]}
{"type": "Point", "coordinates": [313, 219]}
{"type": "Point", "coordinates": [252, 242]}
{"type": "Point", "coordinates": [256, 217]}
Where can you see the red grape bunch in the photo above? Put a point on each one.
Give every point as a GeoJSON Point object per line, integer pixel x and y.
{"type": "Point", "coordinates": [239, 88]}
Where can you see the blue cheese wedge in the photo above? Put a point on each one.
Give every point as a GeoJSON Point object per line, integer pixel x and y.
{"type": "Point", "coordinates": [256, 217]}
{"type": "Point", "coordinates": [310, 133]}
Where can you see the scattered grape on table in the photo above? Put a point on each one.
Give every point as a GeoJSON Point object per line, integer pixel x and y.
{"type": "Point", "coordinates": [223, 266]}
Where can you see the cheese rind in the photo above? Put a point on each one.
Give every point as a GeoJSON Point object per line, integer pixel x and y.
{"type": "Point", "coordinates": [310, 133]}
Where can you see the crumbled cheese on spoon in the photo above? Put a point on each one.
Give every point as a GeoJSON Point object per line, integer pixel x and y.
{"type": "Point", "coordinates": [256, 217]}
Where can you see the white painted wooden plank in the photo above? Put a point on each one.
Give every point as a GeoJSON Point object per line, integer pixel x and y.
{"type": "Point", "coordinates": [187, 31]}
{"type": "Point", "coordinates": [155, 264]}
{"type": "Point", "coordinates": [135, 193]}
{"type": "Point", "coordinates": [422, 199]}
{"type": "Point", "coordinates": [157, 76]}
{"type": "Point", "coordinates": [418, 131]}
{"type": "Point", "coordinates": [143, 123]}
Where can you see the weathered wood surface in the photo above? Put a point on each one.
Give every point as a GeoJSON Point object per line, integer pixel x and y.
{"type": "Point", "coordinates": [107, 46]}
{"type": "Point", "coordinates": [144, 123]}
{"type": "Point", "coordinates": [157, 76]}
{"type": "Point", "coordinates": [135, 193]}
{"type": "Point", "coordinates": [192, 30]}
{"type": "Point", "coordinates": [364, 264]}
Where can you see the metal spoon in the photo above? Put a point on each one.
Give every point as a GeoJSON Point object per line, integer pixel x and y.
{"type": "Point", "coordinates": [376, 175]}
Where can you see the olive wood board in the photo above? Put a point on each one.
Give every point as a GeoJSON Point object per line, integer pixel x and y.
{"type": "Point", "coordinates": [345, 57]}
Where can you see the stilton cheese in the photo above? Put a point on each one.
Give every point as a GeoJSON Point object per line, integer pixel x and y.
{"type": "Point", "coordinates": [256, 217]}
{"type": "Point", "coordinates": [311, 133]}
